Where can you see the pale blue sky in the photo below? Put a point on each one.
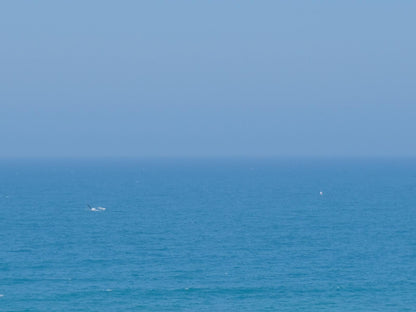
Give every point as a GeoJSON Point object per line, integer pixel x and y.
{"type": "Point", "coordinates": [207, 78]}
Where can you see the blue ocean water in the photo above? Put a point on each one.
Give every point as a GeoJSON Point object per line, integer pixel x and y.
{"type": "Point", "coordinates": [208, 235]}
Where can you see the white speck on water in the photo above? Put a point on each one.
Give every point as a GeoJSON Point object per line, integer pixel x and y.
{"type": "Point", "coordinates": [98, 209]}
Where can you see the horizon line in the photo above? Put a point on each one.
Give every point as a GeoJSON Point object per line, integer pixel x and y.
{"type": "Point", "coordinates": [208, 157]}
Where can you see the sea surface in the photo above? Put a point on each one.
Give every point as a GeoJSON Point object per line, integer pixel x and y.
{"type": "Point", "coordinates": [208, 235]}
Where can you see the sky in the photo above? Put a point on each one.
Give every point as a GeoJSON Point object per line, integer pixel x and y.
{"type": "Point", "coordinates": [207, 78]}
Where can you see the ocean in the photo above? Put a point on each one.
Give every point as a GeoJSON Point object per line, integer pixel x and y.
{"type": "Point", "coordinates": [208, 235]}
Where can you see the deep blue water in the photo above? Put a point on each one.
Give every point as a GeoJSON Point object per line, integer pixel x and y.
{"type": "Point", "coordinates": [208, 235]}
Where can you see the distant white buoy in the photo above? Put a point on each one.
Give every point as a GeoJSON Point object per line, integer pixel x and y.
{"type": "Point", "coordinates": [321, 193]}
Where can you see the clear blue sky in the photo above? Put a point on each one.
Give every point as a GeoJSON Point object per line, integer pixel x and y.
{"type": "Point", "coordinates": [207, 78]}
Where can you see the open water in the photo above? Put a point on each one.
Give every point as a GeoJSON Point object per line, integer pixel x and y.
{"type": "Point", "coordinates": [208, 235]}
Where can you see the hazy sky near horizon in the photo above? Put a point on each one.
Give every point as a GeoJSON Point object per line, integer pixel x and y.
{"type": "Point", "coordinates": [207, 78]}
